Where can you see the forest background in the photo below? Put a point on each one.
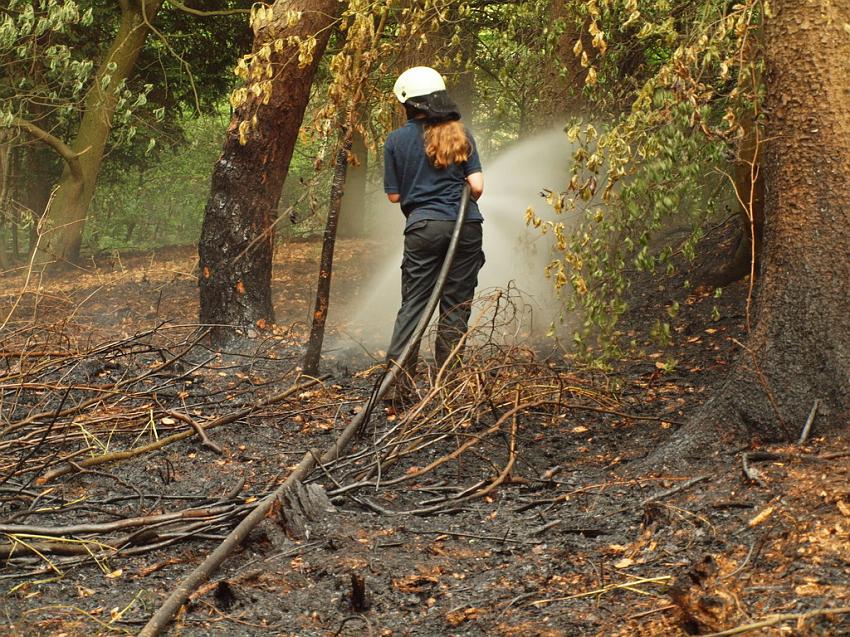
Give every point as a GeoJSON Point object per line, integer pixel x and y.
{"type": "Point", "coordinates": [675, 111]}
{"type": "Point", "coordinates": [146, 124]}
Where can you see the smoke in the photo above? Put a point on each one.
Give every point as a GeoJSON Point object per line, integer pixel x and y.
{"type": "Point", "coordinates": [516, 254]}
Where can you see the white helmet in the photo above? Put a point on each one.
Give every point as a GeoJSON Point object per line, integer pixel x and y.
{"type": "Point", "coordinates": [417, 82]}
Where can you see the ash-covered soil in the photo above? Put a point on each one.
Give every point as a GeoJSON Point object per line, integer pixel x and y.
{"type": "Point", "coordinates": [506, 503]}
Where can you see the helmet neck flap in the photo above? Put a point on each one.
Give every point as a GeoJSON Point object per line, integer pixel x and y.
{"type": "Point", "coordinates": [436, 107]}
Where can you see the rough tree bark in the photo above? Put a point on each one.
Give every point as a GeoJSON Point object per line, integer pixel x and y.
{"type": "Point", "coordinates": [237, 241]}
{"type": "Point", "coordinates": [62, 230]}
{"type": "Point", "coordinates": [36, 172]}
{"type": "Point", "coordinates": [799, 349]}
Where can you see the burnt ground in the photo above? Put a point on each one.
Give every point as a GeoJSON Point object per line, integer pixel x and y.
{"type": "Point", "coordinates": [511, 507]}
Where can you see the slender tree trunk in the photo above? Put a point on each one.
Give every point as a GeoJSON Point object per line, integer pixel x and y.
{"type": "Point", "coordinates": [799, 350]}
{"type": "Point", "coordinates": [6, 218]}
{"type": "Point", "coordinates": [749, 189]}
{"type": "Point", "coordinates": [323, 290]}
{"type": "Point", "coordinates": [63, 223]}
{"type": "Point", "coordinates": [363, 36]}
{"type": "Point", "coordinates": [237, 240]}
{"type": "Point", "coordinates": [34, 171]}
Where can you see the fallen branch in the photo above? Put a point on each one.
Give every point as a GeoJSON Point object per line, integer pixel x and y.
{"type": "Point", "coordinates": [605, 589]}
{"type": "Point", "coordinates": [804, 436]}
{"type": "Point", "coordinates": [202, 573]}
{"type": "Point", "coordinates": [205, 440]}
{"type": "Point", "coordinates": [117, 525]}
{"type": "Point", "coordinates": [114, 388]}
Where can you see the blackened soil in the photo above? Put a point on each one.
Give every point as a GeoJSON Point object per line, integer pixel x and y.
{"type": "Point", "coordinates": [568, 543]}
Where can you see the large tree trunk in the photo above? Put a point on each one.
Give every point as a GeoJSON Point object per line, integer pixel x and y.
{"type": "Point", "coordinates": [36, 171]}
{"type": "Point", "coordinates": [62, 230]}
{"type": "Point", "coordinates": [799, 350]}
{"type": "Point", "coordinates": [237, 239]}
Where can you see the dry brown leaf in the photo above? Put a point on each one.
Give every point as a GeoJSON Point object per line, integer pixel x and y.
{"type": "Point", "coordinates": [456, 618]}
{"type": "Point", "coordinates": [419, 582]}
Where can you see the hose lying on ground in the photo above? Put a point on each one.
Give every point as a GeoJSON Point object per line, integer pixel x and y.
{"type": "Point", "coordinates": [202, 573]}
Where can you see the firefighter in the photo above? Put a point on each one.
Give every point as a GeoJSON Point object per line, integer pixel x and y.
{"type": "Point", "coordinates": [427, 162]}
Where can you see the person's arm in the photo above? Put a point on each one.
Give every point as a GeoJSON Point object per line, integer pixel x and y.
{"type": "Point", "coordinates": [390, 176]}
{"type": "Point", "coordinates": [472, 170]}
{"type": "Point", "coordinates": [476, 185]}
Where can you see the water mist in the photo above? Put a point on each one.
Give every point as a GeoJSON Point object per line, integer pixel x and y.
{"type": "Point", "coordinates": [516, 255]}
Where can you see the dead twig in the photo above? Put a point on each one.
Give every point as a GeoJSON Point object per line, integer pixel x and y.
{"type": "Point", "coordinates": [646, 613]}
{"type": "Point", "coordinates": [117, 525]}
{"type": "Point", "coordinates": [679, 487]}
{"type": "Point", "coordinates": [205, 440]}
{"type": "Point", "coordinates": [804, 436]}
{"type": "Point", "coordinates": [162, 442]}
{"type": "Point", "coordinates": [351, 618]}
{"type": "Point", "coordinates": [630, 585]}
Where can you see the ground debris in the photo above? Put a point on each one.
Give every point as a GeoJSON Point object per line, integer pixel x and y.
{"type": "Point", "coordinates": [497, 505]}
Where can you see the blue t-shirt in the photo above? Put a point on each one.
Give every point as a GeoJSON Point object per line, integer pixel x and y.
{"type": "Point", "coordinates": [426, 192]}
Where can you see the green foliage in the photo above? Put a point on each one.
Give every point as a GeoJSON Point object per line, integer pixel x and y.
{"type": "Point", "coordinates": [49, 52]}
{"type": "Point", "coordinates": [664, 157]}
{"type": "Point", "coordinates": [39, 66]}
{"type": "Point", "coordinates": [49, 65]}
{"type": "Point", "coordinates": [183, 71]}
{"type": "Point", "coordinates": [514, 44]}
{"type": "Point", "coordinates": [150, 205]}
{"type": "Point", "coordinates": [162, 204]}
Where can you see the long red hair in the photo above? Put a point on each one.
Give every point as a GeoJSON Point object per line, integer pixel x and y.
{"type": "Point", "coordinates": [446, 143]}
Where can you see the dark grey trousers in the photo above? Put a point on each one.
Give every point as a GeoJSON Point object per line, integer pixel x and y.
{"type": "Point", "coordinates": [425, 246]}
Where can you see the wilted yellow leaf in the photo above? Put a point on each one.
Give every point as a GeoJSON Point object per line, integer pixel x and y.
{"type": "Point", "coordinates": [761, 517]}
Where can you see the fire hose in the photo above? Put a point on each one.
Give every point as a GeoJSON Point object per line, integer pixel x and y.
{"type": "Point", "coordinates": [394, 368]}
{"type": "Point", "coordinates": [171, 606]}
